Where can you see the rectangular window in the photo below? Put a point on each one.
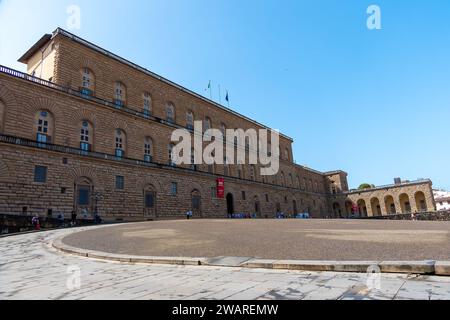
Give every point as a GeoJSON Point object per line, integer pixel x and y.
{"type": "Point", "coordinates": [213, 192]}
{"type": "Point", "coordinates": [243, 195]}
{"type": "Point", "coordinates": [174, 188]}
{"type": "Point", "coordinates": [40, 174]}
{"type": "Point", "coordinates": [149, 199]}
{"type": "Point", "coordinates": [83, 196]}
{"type": "Point", "coordinates": [267, 197]}
{"type": "Point", "coordinates": [120, 183]}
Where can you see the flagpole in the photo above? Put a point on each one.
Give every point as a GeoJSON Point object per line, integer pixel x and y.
{"type": "Point", "coordinates": [210, 90]}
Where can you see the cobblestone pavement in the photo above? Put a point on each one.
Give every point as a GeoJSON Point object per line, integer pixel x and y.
{"type": "Point", "coordinates": [31, 269]}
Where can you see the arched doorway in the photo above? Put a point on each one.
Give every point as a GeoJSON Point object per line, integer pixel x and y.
{"type": "Point", "coordinates": [376, 208]}
{"type": "Point", "coordinates": [230, 204]}
{"type": "Point", "coordinates": [150, 201]}
{"type": "Point", "coordinates": [337, 210]}
{"type": "Point", "coordinates": [257, 206]}
{"type": "Point", "coordinates": [294, 207]}
{"type": "Point", "coordinates": [196, 203]}
{"type": "Point", "coordinates": [421, 202]}
{"type": "Point", "coordinates": [84, 199]}
{"type": "Point", "coordinates": [349, 208]}
{"type": "Point", "coordinates": [404, 203]}
{"type": "Point", "coordinates": [390, 205]}
{"type": "Point", "coordinates": [362, 208]}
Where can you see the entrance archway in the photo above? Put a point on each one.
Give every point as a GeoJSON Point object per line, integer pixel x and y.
{"type": "Point", "coordinates": [421, 202]}
{"type": "Point", "coordinates": [257, 207]}
{"type": "Point", "coordinates": [337, 210]}
{"type": "Point", "coordinates": [84, 200]}
{"type": "Point", "coordinates": [405, 205]}
{"type": "Point", "coordinates": [376, 208]}
{"type": "Point", "coordinates": [150, 201]}
{"type": "Point", "coordinates": [362, 208]}
{"type": "Point", "coordinates": [390, 205]}
{"type": "Point", "coordinates": [349, 208]}
{"type": "Point", "coordinates": [230, 204]}
{"type": "Point", "coordinates": [196, 203]}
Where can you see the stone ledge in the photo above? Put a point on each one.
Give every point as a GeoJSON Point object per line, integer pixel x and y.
{"type": "Point", "coordinates": [415, 267]}
{"type": "Point", "coordinates": [59, 245]}
{"type": "Point", "coordinates": [441, 268]}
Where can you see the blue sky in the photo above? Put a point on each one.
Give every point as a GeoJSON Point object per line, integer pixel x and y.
{"type": "Point", "coordinates": [374, 103]}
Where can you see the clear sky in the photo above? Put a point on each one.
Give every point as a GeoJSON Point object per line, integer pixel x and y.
{"type": "Point", "coordinates": [374, 103]}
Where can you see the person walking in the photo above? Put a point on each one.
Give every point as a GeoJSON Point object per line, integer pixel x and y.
{"type": "Point", "coordinates": [73, 220]}
{"type": "Point", "coordinates": [35, 223]}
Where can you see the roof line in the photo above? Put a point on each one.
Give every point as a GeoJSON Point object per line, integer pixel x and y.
{"type": "Point", "coordinates": [154, 75]}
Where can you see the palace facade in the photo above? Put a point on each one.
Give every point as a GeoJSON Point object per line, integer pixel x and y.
{"type": "Point", "coordinates": [87, 130]}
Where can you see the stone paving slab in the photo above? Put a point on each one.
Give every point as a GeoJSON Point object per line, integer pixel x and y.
{"type": "Point", "coordinates": [30, 268]}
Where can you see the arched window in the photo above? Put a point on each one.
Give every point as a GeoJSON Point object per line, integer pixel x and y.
{"type": "Point", "coordinates": [120, 143]}
{"type": "Point", "coordinates": [86, 137]}
{"type": "Point", "coordinates": [119, 94]}
{"type": "Point", "coordinates": [148, 149]}
{"type": "Point", "coordinates": [190, 120]}
{"type": "Point", "coordinates": [44, 126]}
{"type": "Point", "coordinates": [170, 112]}
{"type": "Point", "coordinates": [147, 104]}
{"type": "Point", "coordinates": [286, 154]}
{"type": "Point", "coordinates": [298, 182]}
{"type": "Point", "coordinates": [88, 82]}
{"type": "Point", "coordinates": [291, 180]}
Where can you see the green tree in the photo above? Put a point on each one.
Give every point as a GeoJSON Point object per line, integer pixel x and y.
{"type": "Point", "coordinates": [366, 186]}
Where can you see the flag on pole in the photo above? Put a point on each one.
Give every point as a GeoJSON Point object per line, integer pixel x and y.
{"type": "Point", "coordinates": [209, 86]}
{"type": "Point", "coordinates": [226, 98]}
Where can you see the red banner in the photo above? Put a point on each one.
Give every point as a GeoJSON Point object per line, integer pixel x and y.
{"type": "Point", "coordinates": [220, 188]}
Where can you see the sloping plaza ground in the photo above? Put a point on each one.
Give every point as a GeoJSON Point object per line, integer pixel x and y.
{"type": "Point", "coordinates": [30, 268]}
{"type": "Point", "coordinates": [275, 239]}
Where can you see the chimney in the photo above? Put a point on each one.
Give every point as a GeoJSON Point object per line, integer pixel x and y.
{"type": "Point", "coordinates": [397, 181]}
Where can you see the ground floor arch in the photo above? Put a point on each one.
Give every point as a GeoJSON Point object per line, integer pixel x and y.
{"type": "Point", "coordinates": [362, 208]}
{"type": "Point", "coordinates": [230, 204]}
{"type": "Point", "coordinates": [376, 207]}
{"type": "Point", "coordinates": [390, 205]}
{"type": "Point", "coordinates": [349, 208]}
{"type": "Point", "coordinates": [337, 210]}
{"type": "Point", "coordinates": [85, 202]}
{"type": "Point", "coordinates": [149, 193]}
{"type": "Point", "coordinates": [405, 205]}
{"type": "Point", "coordinates": [196, 200]}
{"type": "Point", "coordinates": [257, 206]}
{"type": "Point", "coordinates": [421, 202]}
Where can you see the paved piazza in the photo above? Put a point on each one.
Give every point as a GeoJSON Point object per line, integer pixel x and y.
{"type": "Point", "coordinates": [275, 239]}
{"type": "Point", "coordinates": [30, 268]}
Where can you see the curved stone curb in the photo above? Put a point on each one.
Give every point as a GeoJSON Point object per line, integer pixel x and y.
{"type": "Point", "coordinates": [59, 245]}
{"type": "Point", "coordinates": [440, 268]}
